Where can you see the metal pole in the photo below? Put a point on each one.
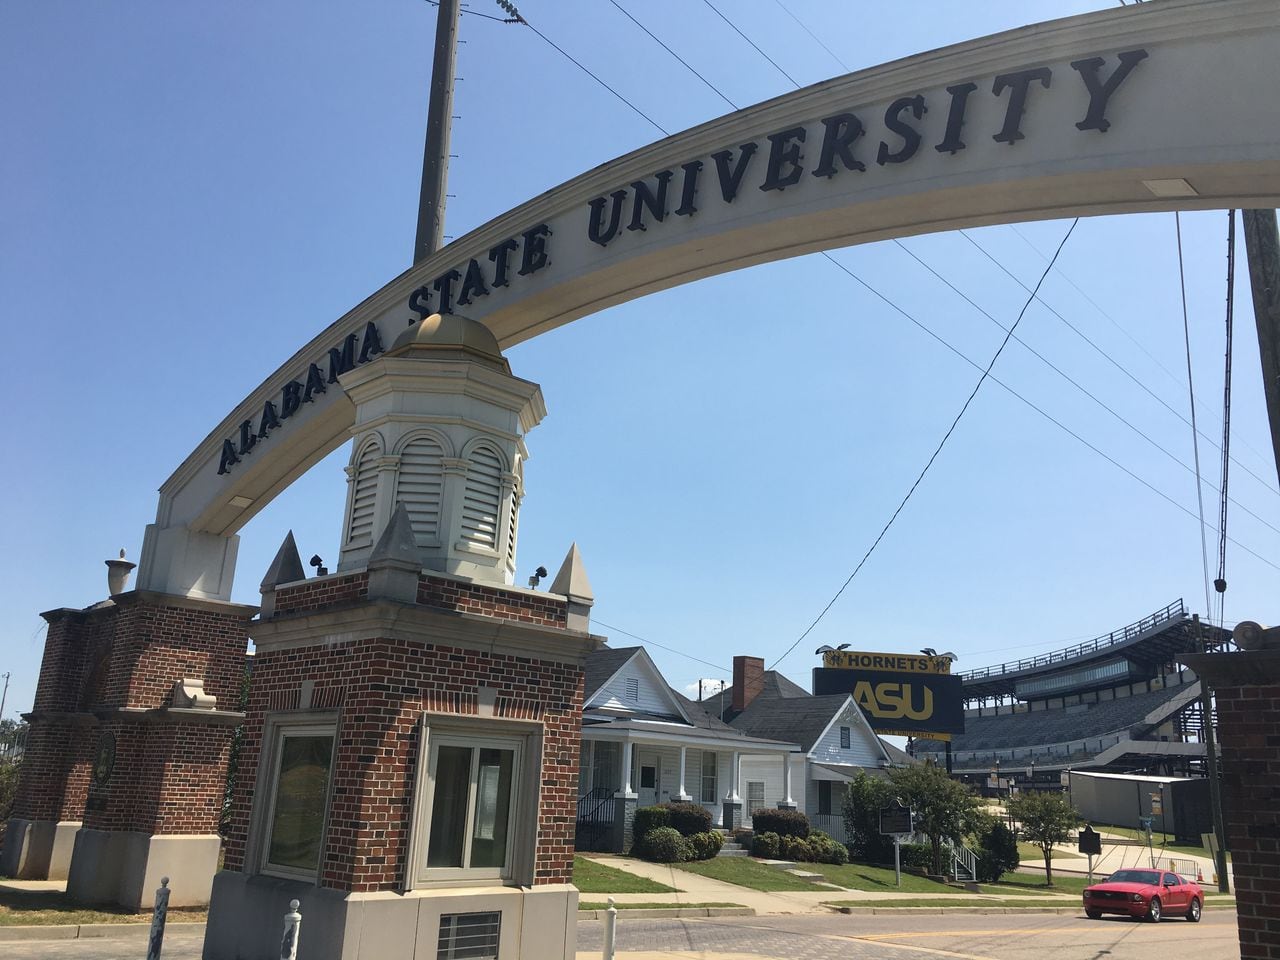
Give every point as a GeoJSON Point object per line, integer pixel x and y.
{"type": "Point", "coordinates": [1211, 764]}
{"type": "Point", "coordinates": [435, 154]}
{"type": "Point", "coordinates": [1262, 243]}
{"type": "Point", "coordinates": [610, 929]}
{"type": "Point", "coordinates": [897, 858]}
{"type": "Point", "coordinates": [155, 942]}
{"type": "Point", "coordinates": [4, 696]}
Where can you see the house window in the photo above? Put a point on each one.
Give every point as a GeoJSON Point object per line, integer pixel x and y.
{"type": "Point", "coordinates": [755, 797]}
{"type": "Point", "coordinates": [302, 761]}
{"type": "Point", "coordinates": [844, 738]}
{"type": "Point", "coordinates": [470, 804]}
{"type": "Point", "coordinates": [633, 689]}
{"type": "Point", "coordinates": [708, 777]}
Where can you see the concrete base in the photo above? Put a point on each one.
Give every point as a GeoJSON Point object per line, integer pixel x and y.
{"type": "Point", "coordinates": [125, 868]}
{"type": "Point", "coordinates": [246, 920]}
{"type": "Point", "coordinates": [38, 849]}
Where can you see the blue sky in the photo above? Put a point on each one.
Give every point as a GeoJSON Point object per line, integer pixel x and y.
{"type": "Point", "coordinates": [190, 192]}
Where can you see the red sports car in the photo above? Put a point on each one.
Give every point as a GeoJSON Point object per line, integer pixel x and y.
{"type": "Point", "coordinates": [1144, 894]}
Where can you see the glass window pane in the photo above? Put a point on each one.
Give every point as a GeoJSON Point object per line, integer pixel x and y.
{"type": "Point", "coordinates": [449, 807]}
{"type": "Point", "coordinates": [297, 822]}
{"type": "Point", "coordinates": [492, 807]}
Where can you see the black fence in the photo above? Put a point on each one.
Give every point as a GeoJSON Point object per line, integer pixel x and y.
{"type": "Point", "coordinates": [595, 821]}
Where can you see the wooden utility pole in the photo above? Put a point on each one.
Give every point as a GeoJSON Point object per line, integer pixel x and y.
{"type": "Point", "coordinates": [435, 154]}
{"type": "Point", "coordinates": [1262, 244]}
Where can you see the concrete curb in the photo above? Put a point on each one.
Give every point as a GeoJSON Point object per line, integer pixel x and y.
{"type": "Point", "coordinates": [87, 931]}
{"type": "Point", "coordinates": [671, 914]}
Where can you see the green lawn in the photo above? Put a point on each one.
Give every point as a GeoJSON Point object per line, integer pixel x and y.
{"type": "Point", "coordinates": [592, 877]}
{"type": "Point", "coordinates": [593, 905]}
{"type": "Point", "coordinates": [860, 876]}
{"type": "Point", "coordinates": [949, 902]}
{"type": "Point", "coordinates": [1026, 883]}
{"type": "Point", "coordinates": [1029, 851]}
{"type": "Point", "coordinates": [32, 907]}
{"type": "Point", "coordinates": [746, 872]}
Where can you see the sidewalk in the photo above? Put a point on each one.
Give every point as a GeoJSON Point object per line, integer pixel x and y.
{"type": "Point", "coordinates": [1118, 857]}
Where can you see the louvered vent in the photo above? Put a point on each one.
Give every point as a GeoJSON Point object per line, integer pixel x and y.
{"type": "Point", "coordinates": [483, 499]}
{"type": "Point", "coordinates": [469, 936]}
{"type": "Point", "coordinates": [420, 487]}
{"type": "Point", "coordinates": [512, 521]}
{"type": "Point", "coordinates": [364, 489]}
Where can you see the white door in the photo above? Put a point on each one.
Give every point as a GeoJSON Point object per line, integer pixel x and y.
{"type": "Point", "coordinates": [649, 777]}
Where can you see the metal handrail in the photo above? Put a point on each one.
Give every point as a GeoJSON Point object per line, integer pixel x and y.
{"type": "Point", "coordinates": [1176, 610]}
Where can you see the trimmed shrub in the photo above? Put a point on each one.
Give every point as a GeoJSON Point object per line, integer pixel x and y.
{"type": "Point", "coordinates": [997, 853]}
{"type": "Point", "coordinates": [863, 800]}
{"type": "Point", "coordinates": [665, 845]}
{"type": "Point", "coordinates": [796, 848]}
{"type": "Point", "coordinates": [766, 845]}
{"type": "Point", "coordinates": [827, 849]}
{"type": "Point", "coordinates": [689, 818]}
{"type": "Point", "coordinates": [917, 858]}
{"type": "Point", "coordinates": [647, 819]}
{"type": "Point", "coordinates": [705, 845]}
{"type": "Point", "coordinates": [785, 823]}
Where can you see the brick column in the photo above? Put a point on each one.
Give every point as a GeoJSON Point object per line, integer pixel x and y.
{"type": "Point", "coordinates": [1246, 689]}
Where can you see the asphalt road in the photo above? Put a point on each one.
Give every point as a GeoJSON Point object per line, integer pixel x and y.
{"type": "Point", "coordinates": [815, 937]}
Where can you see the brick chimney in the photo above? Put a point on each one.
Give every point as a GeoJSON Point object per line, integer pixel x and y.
{"type": "Point", "coordinates": [748, 681]}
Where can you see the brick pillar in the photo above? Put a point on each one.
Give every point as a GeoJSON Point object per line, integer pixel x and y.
{"type": "Point", "coordinates": [119, 785]}
{"type": "Point", "coordinates": [624, 819]}
{"type": "Point", "coordinates": [1246, 689]}
{"type": "Point", "coordinates": [732, 813]}
{"type": "Point", "coordinates": [392, 684]}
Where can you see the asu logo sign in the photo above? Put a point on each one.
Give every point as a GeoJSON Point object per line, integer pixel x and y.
{"type": "Point", "coordinates": [908, 702]}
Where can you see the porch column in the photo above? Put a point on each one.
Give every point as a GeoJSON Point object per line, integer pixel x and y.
{"type": "Point", "coordinates": [682, 794]}
{"type": "Point", "coordinates": [587, 769]}
{"type": "Point", "coordinates": [624, 805]}
{"type": "Point", "coordinates": [786, 803]}
{"type": "Point", "coordinates": [732, 802]}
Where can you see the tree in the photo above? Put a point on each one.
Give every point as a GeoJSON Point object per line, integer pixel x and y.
{"type": "Point", "coordinates": [1046, 819]}
{"type": "Point", "coordinates": [863, 800]}
{"type": "Point", "coordinates": [997, 851]}
{"type": "Point", "coordinates": [945, 809]}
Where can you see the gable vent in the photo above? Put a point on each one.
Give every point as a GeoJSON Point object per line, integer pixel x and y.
{"type": "Point", "coordinates": [420, 487]}
{"type": "Point", "coordinates": [483, 497]}
{"type": "Point", "coordinates": [364, 489]}
{"type": "Point", "coordinates": [469, 936]}
{"type": "Point", "coordinates": [633, 689]}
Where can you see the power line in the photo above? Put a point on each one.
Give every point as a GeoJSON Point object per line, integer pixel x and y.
{"type": "Point", "coordinates": [1191, 391]}
{"type": "Point", "coordinates": [1106, 356]}
{"type": "Point", "coordinates": [735, 29]}
{"type": "Point", "coordinates": [681, 653]}
{"type": "Point", "coordinates": [816, 38]}
{"type": "Point", "coordinates": [685, 62]}
{"type": "Point", "coordinates": [934, 456]}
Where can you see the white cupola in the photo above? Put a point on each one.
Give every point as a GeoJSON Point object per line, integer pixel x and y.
{"type": "Point", "coordinates": [439, 426]}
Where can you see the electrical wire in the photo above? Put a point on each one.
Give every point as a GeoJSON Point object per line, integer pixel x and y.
{"type": "Point", "coordinates": [816, 38]}
{"type": "Point", "coordinates": [934, 456]}
{"type": "Point", "coordinates": [1191, 391]}
{"type": "Point", "coordinates": [476, 13]}
{"type": "Point", "coordinates": [705, 663]}
{"type": "Point", "coordinates": [1115, 363]}
{"type": "Point", "coordinates": [1220, 584]}
{"type": "Point", "coordinates": [1062, 373]}
{"type": "Point", "coordinates": [687, 65]}
{"type": "Point", "coordinates": [734, 27]}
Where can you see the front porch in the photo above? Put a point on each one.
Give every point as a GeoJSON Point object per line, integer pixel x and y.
{"type": "Point", "coordinates": [625, 769]}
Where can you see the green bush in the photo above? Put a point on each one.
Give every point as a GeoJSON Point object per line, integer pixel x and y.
{"type": "Point", "coordinates": [917, 857]}
{"type": "Point", "coordinates": [785, 823]}
{"type": "Point", "coordinates": [705, 845]}
{"type": "Point", "coordinates": [8, 787]}
{"type": "Point", "coordinates": [689, 818]}
{"type": "Point", "coordinates": [766, 846]}
{"type": "Point", "coordinates": [743, 836]}
{"type": "Point", "coordinates": [665, 845]}
{"type": "Point", "coordinates": [796, 848]}
{"type": "Point", "coordinates": [997, 853]}
{"type": "Point", "coordinates": [861, 807]}
{"type": "Point", "coordinates": [649, 818]}
{"type": "Point", "coordinates": [827, 849]}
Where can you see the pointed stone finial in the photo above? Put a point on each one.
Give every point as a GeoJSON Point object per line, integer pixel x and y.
{"type": "Point", "coordinates": [397, 541]}
{"type": "Point", "coordinates": [286, 567]}
{"type": "Point", "coordinates": [396, 560]}
{"type": "Point", "coordinates": [571, 580]}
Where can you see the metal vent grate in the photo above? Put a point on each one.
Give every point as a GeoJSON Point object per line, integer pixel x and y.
{"type": "Point", "coordinates": [469, 936]}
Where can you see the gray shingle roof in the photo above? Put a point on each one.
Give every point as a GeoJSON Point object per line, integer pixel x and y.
{"type": "Point", "coordinates": [798, 719]}
{"type": "Point", "coordinates": [603, 664]}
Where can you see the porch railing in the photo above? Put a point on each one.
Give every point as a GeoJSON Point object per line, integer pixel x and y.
{"type": "Point", "coordinates": [595, 820]}
{"type": "Point", "coordinates": [832, 824]}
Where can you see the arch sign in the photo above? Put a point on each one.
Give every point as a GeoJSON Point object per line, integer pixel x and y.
{"type": "Point", "coordinates": [1142, 108]}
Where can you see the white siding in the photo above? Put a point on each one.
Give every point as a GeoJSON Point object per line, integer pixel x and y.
{"type": "Point", "coordinates": [769, 771]}
{"type": "Point", "coordinates": [863, 750]}
{"type": "Point", "coordinates": [651, 698]}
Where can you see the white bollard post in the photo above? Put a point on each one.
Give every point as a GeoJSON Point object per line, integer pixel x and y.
{"type": "Point", "coordinates": [289, 941]}
{"type": "Point", "coordinates": [155, 942]}
{"type": "Point", "coordinates": [610, 929]}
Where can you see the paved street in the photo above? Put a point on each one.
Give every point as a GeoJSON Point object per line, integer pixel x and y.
{"type": "Point", "coordinates": [809, 937]}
